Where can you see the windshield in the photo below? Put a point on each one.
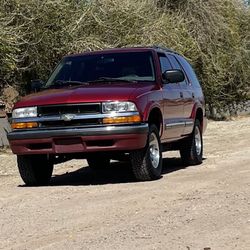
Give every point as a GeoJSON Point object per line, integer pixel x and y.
{"type": "Point", "coordinates": [131, 66]}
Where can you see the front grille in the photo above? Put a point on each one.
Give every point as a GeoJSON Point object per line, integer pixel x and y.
{"type": "Point", "coordinates": [76, 109]}
{"type": "Point", "coordinates": [89, 108]}
{"type": "Point", "coordinates": [75, 123]}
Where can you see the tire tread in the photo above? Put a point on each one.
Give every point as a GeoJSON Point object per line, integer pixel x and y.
{"type": "Point", "coordinates": [188, 151]}
{"type": "Point", "coordinates": [34, 170]}
{"type": "Point", "coordinates": [141, 164]}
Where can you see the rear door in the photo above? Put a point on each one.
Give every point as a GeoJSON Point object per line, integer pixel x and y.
{"type": "Point", "coordinates": [173, 105]}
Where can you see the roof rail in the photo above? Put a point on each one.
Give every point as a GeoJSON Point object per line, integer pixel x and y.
{"type": "Point", "coordinates": [164, 49]}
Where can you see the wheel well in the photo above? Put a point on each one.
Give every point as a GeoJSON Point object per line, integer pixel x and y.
{"type": "Point", "coordinates": [155, 117]}
{"type": "Point", "coordinates": [199, 116]}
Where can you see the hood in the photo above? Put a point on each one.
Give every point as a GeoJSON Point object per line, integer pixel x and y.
{"type": "Point", "coordinates": [90, 93]}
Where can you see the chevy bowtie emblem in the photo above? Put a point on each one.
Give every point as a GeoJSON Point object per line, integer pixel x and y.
{"type": "Point", "coordinates": [67, 117]}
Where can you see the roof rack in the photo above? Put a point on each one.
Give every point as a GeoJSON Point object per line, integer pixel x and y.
{"type": "Point", "coordinates": [164, 49]}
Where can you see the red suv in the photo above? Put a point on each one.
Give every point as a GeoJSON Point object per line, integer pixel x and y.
{"type": "Point", "coordinates": [129, 103]}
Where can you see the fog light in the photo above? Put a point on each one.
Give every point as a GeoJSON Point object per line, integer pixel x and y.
{"type": "Point", "coordinates": [24, 125]}
{"type": "Point", "coordinates": [122, 119]}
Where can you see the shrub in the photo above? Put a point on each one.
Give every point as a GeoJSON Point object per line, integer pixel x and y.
{"type": "Point", "coordinates": [212, 34]}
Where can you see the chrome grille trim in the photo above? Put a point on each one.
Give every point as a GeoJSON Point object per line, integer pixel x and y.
{"type": "Point", "coordinates": [76, 117]}
{"type": "Point", "coordinates": [74, 108]}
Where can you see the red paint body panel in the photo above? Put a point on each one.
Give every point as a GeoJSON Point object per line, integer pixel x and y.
{"type": "Point", "coordinates": [93, 93]}
{"type": "Point", "coordinates": [60, 145]}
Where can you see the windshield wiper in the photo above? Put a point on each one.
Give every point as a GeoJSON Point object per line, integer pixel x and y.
{"type": "Point", "coordinates": [61, 83]}
{"type": "Point", "coordinates": [111, 79]}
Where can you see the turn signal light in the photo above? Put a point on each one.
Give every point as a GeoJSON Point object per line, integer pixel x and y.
{"type": "Point", "coordinates": [24, 125]}
{"type": "Point", "coordinates": [122, 119]}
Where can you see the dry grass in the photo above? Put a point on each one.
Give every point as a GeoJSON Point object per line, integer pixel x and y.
{"type": "Point", "coordinates": [212, 34]}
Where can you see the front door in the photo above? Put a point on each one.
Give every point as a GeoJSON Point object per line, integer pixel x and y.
{"type": "Point", "coordinates": [187, 93]}
{"type": "Point", "coordinates": [173, 104]}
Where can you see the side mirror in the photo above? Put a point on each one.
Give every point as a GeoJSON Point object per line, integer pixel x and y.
{"type": "Point", "coordinates": [173, 76]}
{"type": "Point", "coordinates": [36, 85]}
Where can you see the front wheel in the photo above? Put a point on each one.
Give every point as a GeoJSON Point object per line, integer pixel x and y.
{"type": "Point", "coordinates": [147, 162]}
{"type": "Point", "coordinates": [35, 170]}
{"type": "Point", "coordinates": [191, 150]}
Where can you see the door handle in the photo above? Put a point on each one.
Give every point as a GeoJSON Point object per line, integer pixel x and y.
{"type": "Point", "coordinates": [193, 95]}
{"type": "Point", "coordinates": [181, 94]}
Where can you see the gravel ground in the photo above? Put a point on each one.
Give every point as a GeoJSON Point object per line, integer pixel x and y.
{"type": "Point", "coordinates": [200, 207]}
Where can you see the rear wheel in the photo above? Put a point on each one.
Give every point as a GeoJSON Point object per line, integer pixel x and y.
{"type": "Point", "coordinates": [35, 170]}
{"type": "Point", "coordinates": [147, 162]}
{"type": "Point", "coordinates": [192, 148]}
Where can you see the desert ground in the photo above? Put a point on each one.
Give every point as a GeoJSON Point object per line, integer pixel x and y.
{"type": "Point", "coordinates": [198, 207]}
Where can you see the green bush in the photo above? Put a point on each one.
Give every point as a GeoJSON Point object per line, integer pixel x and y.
{"type": "Point", "coordinates": [8, 50]}
{"type": "Point", "coordinates": [213, 35]}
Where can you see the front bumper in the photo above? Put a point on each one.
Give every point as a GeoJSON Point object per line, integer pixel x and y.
{"type": "Point", "coordinates": [75, 140]}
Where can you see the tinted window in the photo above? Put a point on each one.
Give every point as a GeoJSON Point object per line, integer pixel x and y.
{"type": "Point", "coordinates": [174, 62]}
{"type": "Point", "coordinates": [136, 66]}
{"type": "Point", "coordinates": [165, 64]}
{"type": "Point", "coordinates": [189, 70]}
{"type": "Point", "coordinates": [176, 65]}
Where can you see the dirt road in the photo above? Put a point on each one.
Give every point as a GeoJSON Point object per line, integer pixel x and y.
{"type": "Point", "coordinates": [200, 207]}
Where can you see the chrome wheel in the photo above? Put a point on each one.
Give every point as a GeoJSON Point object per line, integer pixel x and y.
{"type": "Point", "coordinates": [191, 148]}
{"type": "Point", "coordinates": [198, 141]}
{"type": "Point", "coordinates": [154, 150]}
{"type": "Point", "coordinates": [147, 162]}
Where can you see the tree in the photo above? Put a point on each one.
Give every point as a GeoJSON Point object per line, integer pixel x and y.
{"type": "Point", "coordinates": [212, 34]}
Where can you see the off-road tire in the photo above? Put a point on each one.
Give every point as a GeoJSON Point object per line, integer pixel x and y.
{"type": "Point", "coordinates": [35, 170]}
{"type": "Point", "coordinates": [188, 149]}
{"type": "Point", "coordinates": [142, 166]}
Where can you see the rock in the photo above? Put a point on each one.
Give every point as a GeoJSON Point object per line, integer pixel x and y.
{"type": "Point", "coordinates": [8, 96]}
{"type": "Point", "coordinates": [4, 129]}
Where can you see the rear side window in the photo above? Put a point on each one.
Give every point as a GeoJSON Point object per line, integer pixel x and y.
{"type": "Point", "coordinates": [189, 70]}
{"type": "Point", "coordinates": [165, 64]}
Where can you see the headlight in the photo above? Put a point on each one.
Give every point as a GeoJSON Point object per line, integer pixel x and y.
{"type": "Point", "coordinates": [24, 112]}
{"type": "Point", "coordinates": [108, 107]}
